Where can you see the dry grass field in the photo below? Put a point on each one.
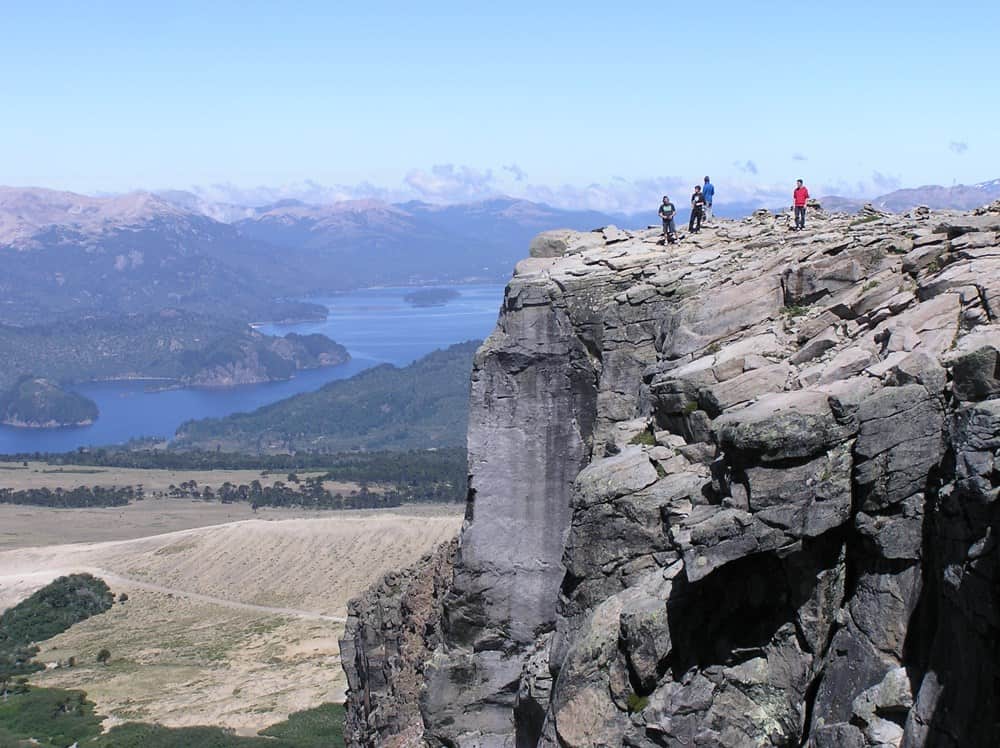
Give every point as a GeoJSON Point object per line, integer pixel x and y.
{"type": "Point", "coordinates": [232, 619]}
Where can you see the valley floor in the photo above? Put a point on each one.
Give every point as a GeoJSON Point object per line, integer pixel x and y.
{"type": "Point", "coordinates": [231, 619]}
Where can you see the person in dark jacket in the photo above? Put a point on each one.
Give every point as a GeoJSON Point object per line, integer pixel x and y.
{"type": "Point", "coordinates": [697, 210]}
{"type": "Point", "coordinates": [667, 213]}
{"type": "Point", "coordinates": [709, 192]}
{"type": "Point", "coordinates": [799, 198]}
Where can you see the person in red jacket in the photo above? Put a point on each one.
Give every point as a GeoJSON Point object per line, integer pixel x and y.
{"type": "Point", "coordinates": [799, 197]}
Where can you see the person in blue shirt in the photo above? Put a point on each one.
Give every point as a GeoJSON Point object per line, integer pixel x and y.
{"type": "Point", "coordinates": [709, 192]}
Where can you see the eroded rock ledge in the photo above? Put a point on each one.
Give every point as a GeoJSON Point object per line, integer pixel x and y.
{"type": "Point", "coordinates": [738, 492]}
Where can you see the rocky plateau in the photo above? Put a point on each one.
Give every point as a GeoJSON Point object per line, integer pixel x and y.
{"type": "Point", "coordinates": [738, 491]}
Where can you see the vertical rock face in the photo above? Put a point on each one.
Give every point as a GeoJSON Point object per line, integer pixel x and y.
{"type": "Point", "coordinates": [390, 631]}
{"type": "Point", "coordinates": [534, 394]}
{"type": "Point", "coordinates": [742, 492]}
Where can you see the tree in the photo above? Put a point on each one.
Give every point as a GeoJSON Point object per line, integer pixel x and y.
{"type": "Point", "coordinates": [103, 656]}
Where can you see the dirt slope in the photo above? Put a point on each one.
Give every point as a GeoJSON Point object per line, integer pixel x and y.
{"type": "Point", "coordinates": [233, 624]}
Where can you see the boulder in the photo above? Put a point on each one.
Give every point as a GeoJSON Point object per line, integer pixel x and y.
{"type": "Point", "coordinates": [783, 426]}
{"type": "Point", "coordinates": [715, 399]}
{"type": "Point", "coordinates": [807, 283]}
{"type": "Point", "coordinates": [551, 243]}
{"type": "Point", "coordinates": [817, 346]}
{"type": "Point", "coordinates": [846, 364]}
{"type": "Point", "coordinates": [900, 440]}
{"type": "Point", "coordinates": [976, 375]}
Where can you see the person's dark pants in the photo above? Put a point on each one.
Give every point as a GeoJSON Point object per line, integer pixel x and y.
{"type": "Point", "coordinates": [669, 229]}
{"type": "Point", "coordinates": [695, 223]}
{"type": "Point", "coordinates": [800, 216]}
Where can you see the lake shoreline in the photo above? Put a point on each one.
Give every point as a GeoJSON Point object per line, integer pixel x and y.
{"type": "Point", "coordinates": [374, 325]}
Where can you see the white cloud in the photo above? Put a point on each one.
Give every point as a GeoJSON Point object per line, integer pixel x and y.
{"type": "Point", "coordinates": [747, 167]}
{"type": "Point", "coordinates": [618, 196]}
{"type": "Point", "coordinates": [519, 174]}
{"type": "Point", "coordinates": [307, 191]}
{"type": "Point", "coordinates": [885, 182]}
{"type": "Point", "coordinates": [958, 146]}
{"type": "Point", "coordinates": [449, 183]}
{"type": "Point", "coordinates": [798, 157]}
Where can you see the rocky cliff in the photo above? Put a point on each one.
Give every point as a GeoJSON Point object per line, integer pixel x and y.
{"type": "Point", "coordinates": [740, 491]}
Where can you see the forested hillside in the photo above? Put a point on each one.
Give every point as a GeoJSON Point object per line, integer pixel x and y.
{"type": "Point", "coordinates": [419, 406]}
{"type": "Point", "coordinates": [170, 344]}
{"type": "Point", "coordinates": [35, 402]}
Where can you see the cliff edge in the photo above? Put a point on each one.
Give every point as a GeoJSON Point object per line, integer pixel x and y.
{"type": "Point", "coordinates": [739, 491]}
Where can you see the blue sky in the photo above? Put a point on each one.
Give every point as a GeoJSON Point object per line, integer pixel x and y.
{"type": "Point", "coordinates": [575, 103]}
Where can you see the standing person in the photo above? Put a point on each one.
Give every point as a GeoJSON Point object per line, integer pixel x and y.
{"type": "Point", "coordinates": [709, 192]}
{"type": "Point", "coordinates": [799, 198]}
{"type": "Point", "coordinates": [667, 212]}
{"type": "Point", "coordinates": [697, 210]}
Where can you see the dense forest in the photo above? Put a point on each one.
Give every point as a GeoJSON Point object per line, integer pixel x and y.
{"type": "Point", "coordinates": [421, 405]}
{"type": "Point", "coordinates": [174, 345]}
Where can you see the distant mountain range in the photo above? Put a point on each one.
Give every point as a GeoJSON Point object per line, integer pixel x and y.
{"type": "Point", "coordinates": [935, 197]}
{"type": "Point", "coordinates": [66, 254]}
{"type": "Point", "coordinates": [375, 243]}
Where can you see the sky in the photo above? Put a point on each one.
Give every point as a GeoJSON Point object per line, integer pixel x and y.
{"type": "Point", "coordinates": [583, 104]}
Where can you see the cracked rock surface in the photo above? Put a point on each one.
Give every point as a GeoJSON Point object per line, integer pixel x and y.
{"type": "Point", "coordinates": [739, 491]}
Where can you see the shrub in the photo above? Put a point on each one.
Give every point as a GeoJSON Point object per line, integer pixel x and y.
{"type": "Point", "coordinates": [794, 310]}
{"type": "Point", "coordinates": [645, 437]}
{"type": "Point", "coordinates": [636, 703]}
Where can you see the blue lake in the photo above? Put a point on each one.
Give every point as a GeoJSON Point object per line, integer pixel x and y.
{"type": "Point", "coordinates": [377, 325]}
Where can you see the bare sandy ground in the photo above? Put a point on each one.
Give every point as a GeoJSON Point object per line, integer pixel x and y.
{"type": "Point", "coordinates": [24, 526]}
{"type": "Point", "coordinates": [234, 623]}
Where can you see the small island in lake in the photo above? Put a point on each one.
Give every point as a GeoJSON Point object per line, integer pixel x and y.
{"type": "Point", "coordinates": [431, 297]}
{"type": "Point", "coordinates": [40, 403]}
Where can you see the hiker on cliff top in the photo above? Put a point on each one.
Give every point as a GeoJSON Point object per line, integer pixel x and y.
{"type": "Point", "coordinates": [697, 210]}
{"type": "Point", "coordinates": [709, 192]}
{"type": "Point", "coordinates": [667, 213]}
{"type": "Point", "coordinates": [799, 198]}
